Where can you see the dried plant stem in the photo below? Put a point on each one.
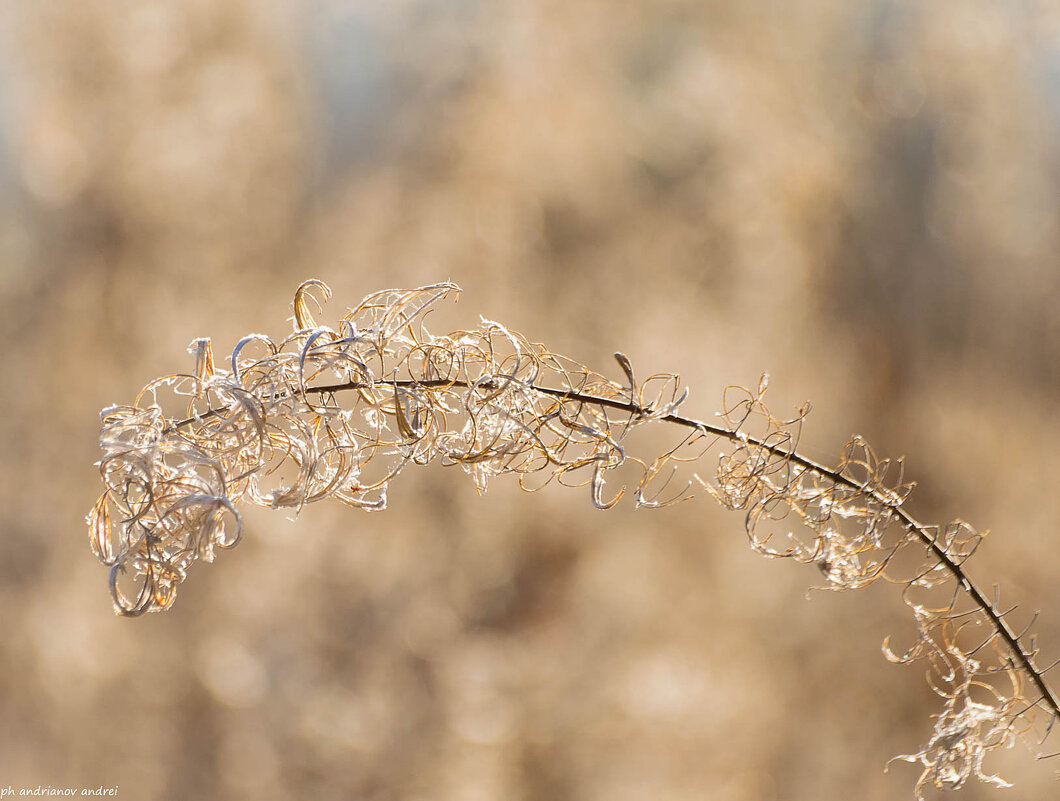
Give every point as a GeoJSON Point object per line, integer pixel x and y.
{"type": "Point", "coordinates": [273, 433]}
{"type": "Point", "coordinates": [999, 624]}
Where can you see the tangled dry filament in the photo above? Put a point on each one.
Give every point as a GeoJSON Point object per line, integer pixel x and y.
{"type": "Point", "coordinates": [339, 411]}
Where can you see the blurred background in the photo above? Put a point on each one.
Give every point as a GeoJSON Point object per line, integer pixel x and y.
{"type": "Point", "coordinates": [859, 198]}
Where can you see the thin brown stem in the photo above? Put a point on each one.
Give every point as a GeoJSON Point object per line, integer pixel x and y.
{"type": "Point", "coordinates": [919, 530]}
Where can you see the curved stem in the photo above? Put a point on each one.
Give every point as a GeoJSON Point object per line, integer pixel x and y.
{"type": "Point", "coordinates": [1024, 659]}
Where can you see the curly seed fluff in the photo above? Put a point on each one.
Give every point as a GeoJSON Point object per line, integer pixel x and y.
{"type": "Point", "coordinates": [339, 411]}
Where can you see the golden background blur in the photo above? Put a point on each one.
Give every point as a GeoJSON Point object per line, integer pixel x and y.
{"type": "Point", "coordinates": [862, 199]}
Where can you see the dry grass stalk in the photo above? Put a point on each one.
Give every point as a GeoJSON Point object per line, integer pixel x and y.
{"type": "Point", "coordinates": [340, 411]}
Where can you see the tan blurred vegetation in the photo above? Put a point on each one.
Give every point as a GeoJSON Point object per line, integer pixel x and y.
{"type": "Point", "coordinates": [860, 198]}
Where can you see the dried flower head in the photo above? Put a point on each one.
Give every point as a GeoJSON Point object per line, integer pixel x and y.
{"type": "Point", "coordinates": [339, 411]}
